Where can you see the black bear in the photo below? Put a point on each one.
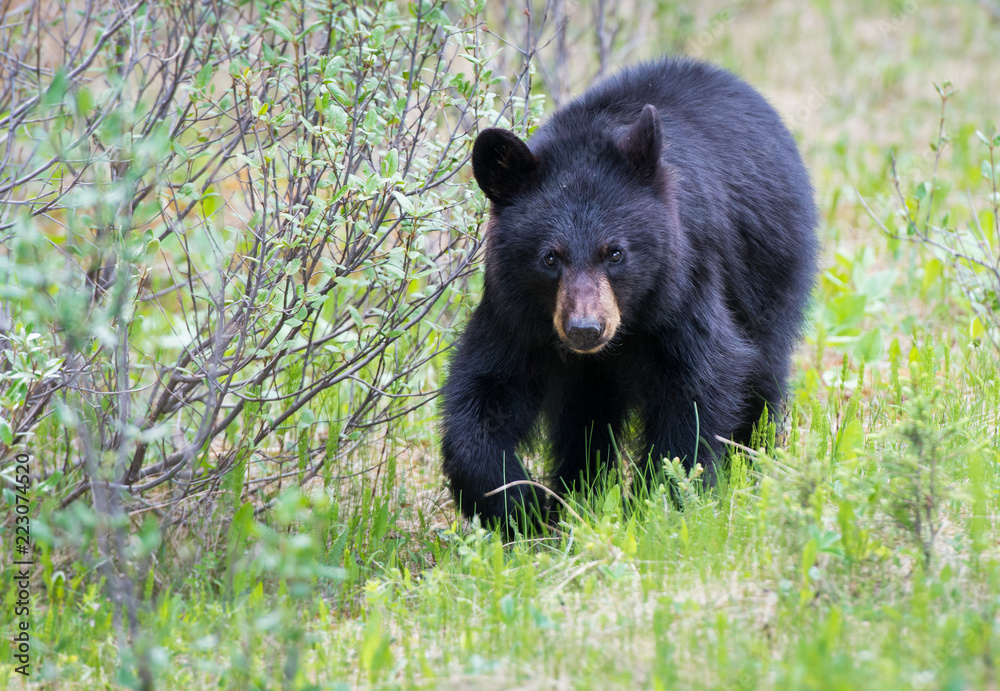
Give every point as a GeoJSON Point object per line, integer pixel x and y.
{"type": "Point", "coordinates": [650, 252]}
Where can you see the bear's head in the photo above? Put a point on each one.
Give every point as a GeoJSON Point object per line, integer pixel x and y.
{"type": "Point", "coordinates": [581, 227]}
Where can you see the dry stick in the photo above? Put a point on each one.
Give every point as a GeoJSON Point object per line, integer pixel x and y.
{"type": "Point", "coordinates": [541, 487]}
{"type": "Point", "coordinates": [755, 454]}
{"type": "Point", "coordinates": [736, 445]}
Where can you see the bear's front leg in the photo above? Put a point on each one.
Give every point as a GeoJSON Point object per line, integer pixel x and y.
{"type": "Point", "coordinates": [679, 428]}
{"type": "Point", "coordinates": [491, 401]}
{"type": "Point", "coordinates": [586, 423]}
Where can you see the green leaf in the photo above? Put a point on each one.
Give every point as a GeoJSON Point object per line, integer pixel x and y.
{"type": "Point", "coordinates": [987, 171]}
{"type": "Point", "coordinates": [338, 119]}
{"type": "Point", "coordinates": [394, 272]}
{"type": "Point", "coordinates": [844, 311]}
{"type": "Point", "coordinates": [405, 205]}
{"type": "Point", "coordinates": [390, 163]}
{"type": "Point", "coordinates": [613, 502]}
{"type": "Point", "coordinates": [356, 316]}
{"type": "Point", "coordinates": [6, 434]}
{"type": "Point", "coordinates": [57, 89]}
{"type": "Point", "coordinates": [375, 654]}
{"type": "Point", "coordinates": [849, 440]}
{"type": "Point", "coordinates": [283, 31]}
{"type": "Point", "coordinates": [507, 607]}
{"type": "Point", "coordinates": [211, 202]}
{"type": "Point", "coordinates": [380, 522]}
{"type": "Point", "coordinates": [933, 269]}
{"type": "Point", "coordinates": [239, 530]}
{"type": "Point", "coordinates": [203, 76]}
{"type": "Point", "coordinates": [306, 418]}
{"type": "Point", "coordinates": [809, 554]}
{"type": "Point", "coordinates": [84, 101]}
{"type": "Point", "coordinates": [976, 329]}
{"type": "Point", "coordinates": [869, 346]}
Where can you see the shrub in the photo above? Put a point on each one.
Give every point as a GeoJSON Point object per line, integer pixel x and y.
{"type": "Point", "coordinates": [970, 250]}
{"type": "Point", "coordinates": [234, 238]}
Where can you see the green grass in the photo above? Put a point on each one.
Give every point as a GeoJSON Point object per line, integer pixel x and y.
{"type": "Point", "coordinates": [804, 571]}
{"type": "Point", "coordinates": [859, 553]}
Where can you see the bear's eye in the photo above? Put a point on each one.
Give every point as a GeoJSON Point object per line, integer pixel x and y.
{"type": "Point", "coordinates": [615, 255]}
{"type": "Point", "coordinates": [550, 259]}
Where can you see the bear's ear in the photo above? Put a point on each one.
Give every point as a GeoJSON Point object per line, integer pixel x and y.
{"type": "Point", "coordinates": [642, 145]}
{"type": "Point", "coordinates": [503, 164]}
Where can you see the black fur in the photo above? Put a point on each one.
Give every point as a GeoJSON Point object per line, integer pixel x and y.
{"type": "Point", "coordinates": [692, 174]}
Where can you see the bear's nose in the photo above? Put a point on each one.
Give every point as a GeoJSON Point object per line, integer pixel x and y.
{"type": "Point", "coordinates": [583, 333]}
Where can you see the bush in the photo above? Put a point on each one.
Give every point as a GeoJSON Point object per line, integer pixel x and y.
{"type": "Point", "coordinates": [971, 251]}
{"type": "Point", "coordinates": [234, 239]}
